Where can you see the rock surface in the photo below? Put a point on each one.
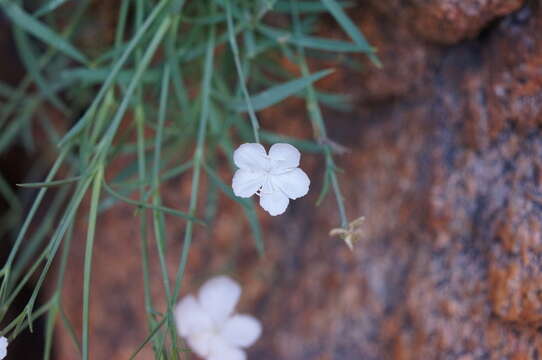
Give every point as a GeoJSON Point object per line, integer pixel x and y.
{"type": "Point", "coordinates": [445, 164]}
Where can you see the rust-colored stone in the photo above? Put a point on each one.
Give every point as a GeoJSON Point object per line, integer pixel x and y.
{"type": "Point", "coordinates": [449, 21]}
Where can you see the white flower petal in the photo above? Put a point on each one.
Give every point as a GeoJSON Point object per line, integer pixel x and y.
{"type": "Point", "coordinates": [250, 156]}
{"type": "Point", "coordinates": [284, 156]}
{"type": "Point", "coordinates": [222, 350]}
{"type": "Point", "coordinates": [294, 183]}
{"type": "Point", "coordinates": [218, 297]}
{"type": "Point", "coordinates": [242, 330]}
{"type": "Point", "coordinates": [191, 318]}
{"type": "Point", "coordinates": [3, 347]}
{"type": "Point", "coordinates": [245, 182]}
{"type": "Point", "coordinates": [201, 343]}
{"type": "Point", "coordinates": [274, 202]}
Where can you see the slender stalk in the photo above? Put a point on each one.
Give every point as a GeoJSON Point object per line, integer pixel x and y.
{"type": "Point", "coordinates": [198, 158]}
{"type": "Point", "coordinates": [96, 191]}
{"type": "Point", "coordinates": [317, 121]}
{"type": "Point", "coordinates": [18, 241]}
{"type": "Point", "coordinates": [142, 173]}
{"type": "Point", "coordinates": [242, 80]}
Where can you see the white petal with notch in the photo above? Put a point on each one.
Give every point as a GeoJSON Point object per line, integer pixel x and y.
{"type": "Point", "coordinates": [218, 297]}
{"type": "Point", "coordinates": [275, 203]}
{"type": "Point", "coordinates": [250, 156]}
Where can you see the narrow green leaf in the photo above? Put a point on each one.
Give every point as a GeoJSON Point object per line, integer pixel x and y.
{"type": "Point", "coordinates": [29, 59]}
{"type": "Point", "coordinates": [140, 70]}
{"type": "Point", "coordinates": [349, 27]}
{"type": "Point", "coordinates": [143, 30]}
{"type": "Point", "coordinates": [149, 337]}
{"type": "Point", "coordinates": [71, 330]}
{"type": "Point", "coordinates": [311, 42]}
{"type": "Point", "coordinates": [205, 20]}
{"type": "Point", "coordinates": [280, 92]}
{"type": "Point", "coordinates": [198, 155]}
{"type": "Point", "coordinates": [179, 87]}
{"type": "Point", "coordinates": [50, 183]}
{"type": "Point", "coordinates": [148, 206]}
{"type": "Point", "coordinates": [41, 31]}
{"type": "Point", "coordinates": [319, 127]}
{"type": "Point", "coordinates": [8, 134]}
{"type": "Point", "coordinates": [99, 75]}
{"type": "Point", "coordinates": [308, 7]}
{"type": "Point", "coordinates": [6, 90]}
{"type": "Point", "coordinates": [247, 205]}
{"type": "Point", "coordinates": [325, 189]}
{"type": "Point", "coordinates": [89, 249]}
{"type": "Point", "coordinates": [303, 145]}
{"type": "Point", "coordinates": [48, 7]}
{"type": "Point", "coordinates": [235, 50]}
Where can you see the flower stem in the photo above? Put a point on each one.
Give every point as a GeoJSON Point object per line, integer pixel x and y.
{"type": "Point", "coordinates": [96, 190]}
{"type": "Point", "coordinates": [242, 79]}
{"type": "Point", "coordinates": [319, 128]}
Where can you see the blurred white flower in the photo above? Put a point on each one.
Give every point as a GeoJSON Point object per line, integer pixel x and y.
{"type": "Point", "coordinates": [209, 325]}
{"type": "Point", "coordinates": [3, 347]}
{"type": "Point", "coordinates": [276, 177]}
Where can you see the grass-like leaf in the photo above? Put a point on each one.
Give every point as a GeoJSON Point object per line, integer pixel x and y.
{"type": "Point", "coordinates": [248, 208]}
{"type": "Point", "coordinates": [312, 42]}
{"type": "Point", "coordinates": [249, 106]}
{"type": "Point", "coordinates": [41, 31]}
{"type": "Point", "coordinates": [280, 92]}
{"type": "Point", "coordinates": [134, 42]}
{"type": "Point", "coordinates": [89, 249]}
{"type": "Point", "coordinates": [50, 183]}
{"type": "Point", "coordinates": [49, 6]}
{"type": "Point", "coordinates": [308, 7]}
{"type": "Point", "coordinates": [152, 207]}
{"type": "Point", "coordinates": [349, 27]}
{"type": "Point", "coordinates": [29, 59]}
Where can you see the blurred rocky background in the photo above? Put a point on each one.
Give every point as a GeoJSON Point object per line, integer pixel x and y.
{"type": "Point", "coordinates": [445, 163]}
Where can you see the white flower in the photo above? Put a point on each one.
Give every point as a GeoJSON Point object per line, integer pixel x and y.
{"type": "Point", "coordinates": [3, 347]}
{"type": "Point", "coordinates": [276, 177]}
{"type": "Point", "coordinates": [209, 325]}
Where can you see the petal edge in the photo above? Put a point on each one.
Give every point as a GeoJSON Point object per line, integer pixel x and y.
{"type": "Point", "coordinates": [250, 156]}
{"type": "Point", "coordinates": [190, 317]}
{"type": "Point", "coordinates": [294, 183]}
{"type": "Point", "coordinates": [218, 297]}
{"type": "Point", "coordinates": [245, 182]}
{"type": "Point", "coordinates": [242, 330]}
{"type": "Point", "coordinates": [284, 156]}
{"type": "Point", "coordinates": [275, 203]}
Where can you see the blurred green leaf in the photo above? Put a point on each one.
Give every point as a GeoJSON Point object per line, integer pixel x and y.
{"type": "Point", "coordinates": [29, 59]}
{"type": "Point", "coordinates": [41, 31]}
{"type": "Point", "coordinates": [280, 92]}
{"type": "Point", "coordinates": [149, 206]}
{"type": "Point", "coordinates": [312, 42]}
{"type": "Point", "coordinates": [349, 27]}
{"type": "Point", "coordinates": [308, 6]}
{"type": "Point", "coordinates": [49, 6]}
{"type": "Point", "coordinates": [50, 183]}
{"type": "Point", "coordinates": [247, 205]}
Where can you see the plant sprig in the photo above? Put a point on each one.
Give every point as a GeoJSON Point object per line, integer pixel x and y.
{"type": "Point", "coordinates": [166, 95]}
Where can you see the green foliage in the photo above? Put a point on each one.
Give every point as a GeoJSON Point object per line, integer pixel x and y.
{"type": "Point", "coordinates": [171, 92]}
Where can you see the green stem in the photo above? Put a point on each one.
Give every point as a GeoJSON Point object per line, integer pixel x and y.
{"type": "Point", "coordinates": [96, 190]}
{"type": "Point", "coordinates": [198, 157]}
{"type": "Point", "coordinates": [317, 120]}
{"type": "Point", "coordinates": [239, 67]}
